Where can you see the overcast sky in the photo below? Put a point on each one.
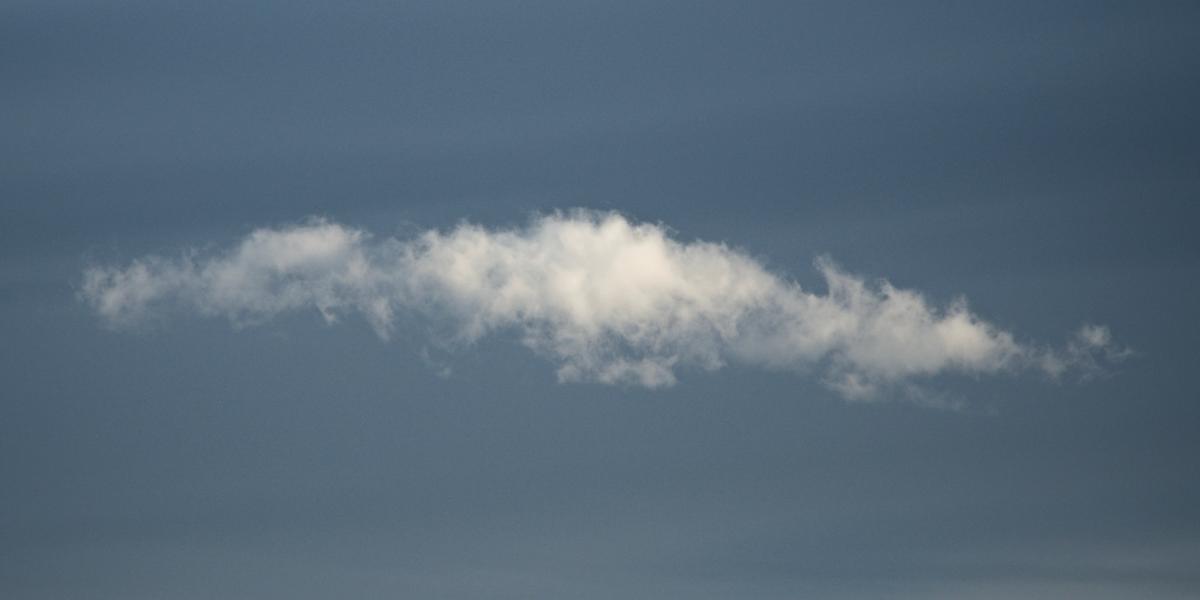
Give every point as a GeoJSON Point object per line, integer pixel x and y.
{"type": "Point", "coordinates": [599, 300]}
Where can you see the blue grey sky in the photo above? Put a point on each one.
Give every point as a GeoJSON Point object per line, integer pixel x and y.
{"type": "Point", "coordinates": [242, 418]}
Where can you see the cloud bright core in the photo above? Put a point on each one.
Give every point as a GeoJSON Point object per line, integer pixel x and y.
{"type": "Point", "coordinates": [603, 298]}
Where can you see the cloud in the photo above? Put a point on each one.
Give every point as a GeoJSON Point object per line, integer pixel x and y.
{"type": "Point", "coordinates": [605, 299]}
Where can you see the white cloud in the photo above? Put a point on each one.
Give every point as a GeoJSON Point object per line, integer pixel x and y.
{"type": "Point", "coordinates": [604, 298]}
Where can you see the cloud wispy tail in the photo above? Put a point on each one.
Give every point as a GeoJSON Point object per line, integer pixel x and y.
{"type": "Point", "coordinates": [605, 299]}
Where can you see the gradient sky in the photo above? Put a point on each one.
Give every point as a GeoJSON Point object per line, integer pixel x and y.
{"type": "Point", "coordinates": [1040, 159]}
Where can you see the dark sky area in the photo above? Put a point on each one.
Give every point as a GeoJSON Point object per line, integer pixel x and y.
{"type": "Point", "coordinates": [1041, 159]}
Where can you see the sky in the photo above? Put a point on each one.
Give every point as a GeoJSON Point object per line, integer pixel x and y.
{"type": "Point", "coordinates": [599, 300]}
